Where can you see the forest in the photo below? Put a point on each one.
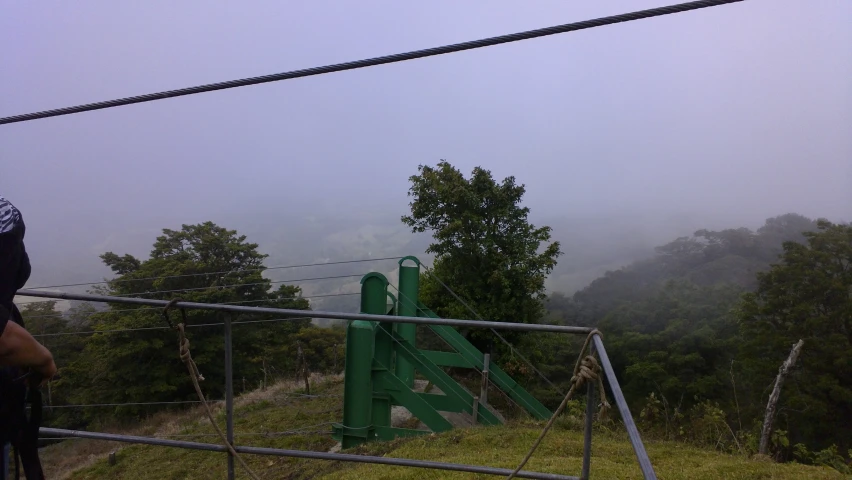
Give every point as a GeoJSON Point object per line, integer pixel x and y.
{"type": "Point", "coordinates": [696, 333]}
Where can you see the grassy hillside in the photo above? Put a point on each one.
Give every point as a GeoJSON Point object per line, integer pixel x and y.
{"type": "Point", "coordinates": [280, 417]}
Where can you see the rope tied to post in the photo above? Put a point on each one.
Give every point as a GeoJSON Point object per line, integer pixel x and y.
{"type": "Point", "coordinates": [587, 369]}
{"type": "Point", "coordinates": [195, 376]}
{"type": "Point", "coordinates": [185, 356]}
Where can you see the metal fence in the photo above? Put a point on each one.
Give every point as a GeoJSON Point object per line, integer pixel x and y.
{"type": "Point", "coordinates": [633, 432]}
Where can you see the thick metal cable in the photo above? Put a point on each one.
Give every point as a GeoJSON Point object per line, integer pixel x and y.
{"type": "Point", "coordinates": [370, 62]}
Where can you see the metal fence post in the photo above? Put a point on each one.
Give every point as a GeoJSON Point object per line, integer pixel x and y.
{"type": "Point", "coordinates": [409, 290]}
{"type": "Point", "coordinates": [629, 425]}
{"type": "Point", "coordinates": [590, 417]}
{"type": "Point", "coordinates": [229, 394]}
{"type": "Point", "coordinates": [374, 288]}
{"type": "Point", "coordinates": [483, 390]}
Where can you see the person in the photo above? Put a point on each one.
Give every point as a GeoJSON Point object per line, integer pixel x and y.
{"type": "Point", "coordinates": [17, 347]}
{"type": "Point", "coordinates": [20, 353]}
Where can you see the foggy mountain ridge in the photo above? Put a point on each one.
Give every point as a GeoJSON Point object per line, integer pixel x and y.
{"type": "Point", "coordinates": [592, 246]}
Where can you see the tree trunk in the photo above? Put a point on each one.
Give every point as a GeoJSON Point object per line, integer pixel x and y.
{"type": "Point", "coordinates": [773, 397]}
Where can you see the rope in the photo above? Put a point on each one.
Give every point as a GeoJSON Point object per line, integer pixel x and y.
{"type": "Point", "coordinates": [585, 370]}
{"type": "Point", "coordinates": [370, 62]}
{"type": "Point", "coordinates": [195, 375]}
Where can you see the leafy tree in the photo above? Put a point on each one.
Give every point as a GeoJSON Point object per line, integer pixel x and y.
{"type": "Point", "coordinates": [808, 295]}
{"type": "Point", "coordinates": [485, 248]}
{"type": "Point", "coordinates": [199, 263]}
{"type": "Point", "coordinates": [671, 323]}
{"type": "Point", "coordinates": [731, 256]}
{"type": "Point", "coordinates": [64, 334]}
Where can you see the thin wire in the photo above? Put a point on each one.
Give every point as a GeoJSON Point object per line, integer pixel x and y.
{"type": "Point", "coordinates": [278, 267]}
{"type": "Point", "coordinates": [297, 280]}
{"type": "Point", "coordinates": [478, 371]}
{"type": "Point", "coordinates": [212, 287]}
{"type": "Point", "coordinates": [88, 405]}
{"type": "Point", "coordinates": [127, 404]}
{"type": "Point", "coordinates": [89, 315]}
{"type": "Point", "coordinates": [245, 434]}
{"type": "Point", "coordinates": [399, 57]}
{"type": "Point", "coordinates": [139, 329]}
{"type": "Point", "coordinates": [511, 347]}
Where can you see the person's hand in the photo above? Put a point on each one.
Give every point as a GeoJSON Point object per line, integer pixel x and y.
{"type": "Point", "coordinates": [46, 372]}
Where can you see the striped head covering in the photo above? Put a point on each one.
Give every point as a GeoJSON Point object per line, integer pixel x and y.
{"type": "Point", "coordinates": [9, 215]}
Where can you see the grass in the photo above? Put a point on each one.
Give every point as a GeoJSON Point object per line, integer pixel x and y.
{"type": "Point", "coordinates": [270, 413]}
{"type": "Point", "coordinates": [561, 452]}
{"type": "Point", "coordinates": [278, 410]}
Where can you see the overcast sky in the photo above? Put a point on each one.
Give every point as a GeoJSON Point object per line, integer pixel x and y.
{"type": "Point", "coordinates": [743, 109]}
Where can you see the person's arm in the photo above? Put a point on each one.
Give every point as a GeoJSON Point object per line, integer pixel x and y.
{"type": "Point", "coordinates": [19, 348]}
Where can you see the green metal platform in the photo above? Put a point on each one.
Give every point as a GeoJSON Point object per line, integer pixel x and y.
{"type": "Point", "coordinates": [381, 361]}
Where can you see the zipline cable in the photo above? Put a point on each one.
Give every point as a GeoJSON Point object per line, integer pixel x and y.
{"type": "Point", "coordinates": [370, 62]}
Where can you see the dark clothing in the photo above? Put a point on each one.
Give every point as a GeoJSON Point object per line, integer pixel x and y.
{"type": "Point", "coordinates": [14, 266]}
{"type": "Point", "coordinates": [15, 426]}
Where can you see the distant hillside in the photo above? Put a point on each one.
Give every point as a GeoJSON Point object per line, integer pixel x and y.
{"type": "Point", "coordinates": [730, 256]}
{"type": "Point", "coordinates": [675, 326]}
{"type": "Point", "coordinates": [592, 245]}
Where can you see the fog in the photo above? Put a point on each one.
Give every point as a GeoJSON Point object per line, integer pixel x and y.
{"type": "Point", "coordinates": [625, 136]}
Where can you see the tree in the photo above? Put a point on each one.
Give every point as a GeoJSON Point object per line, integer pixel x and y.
{"type": "Point", "coordinates": [808, 296]}
{"type": "Point", "coordinates": [485, 248]}
{"type": "Point", "coordinates": [64, 334]}
{"type": "Point", "coordinates": [199, 263]}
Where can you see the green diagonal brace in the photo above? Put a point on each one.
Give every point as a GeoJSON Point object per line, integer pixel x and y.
{"type": "Point", "coordinates": [457, 393]}
{"type": "Point", "coordinates": [446, 359]}
{"type": "Point", "coordinates": [418, 407]}
{"type": "Point", "coordinates": [496, 375]}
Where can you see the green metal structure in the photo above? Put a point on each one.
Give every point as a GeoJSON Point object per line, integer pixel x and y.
{"type": "Point", "coordinates": [381, 361]}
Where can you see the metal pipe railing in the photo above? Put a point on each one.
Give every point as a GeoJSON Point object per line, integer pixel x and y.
{"type": "Point", "coordinates": [288, 313]}
{"type": "Point", "coordinates": [345, 457]}
{"type": "Point", "coordinates": [632, 431]}
{"type": "Point", "coordinates": [229, 393]}
{"type": "Point", "coordinates": [587, 428]}
{"type": "Point", "coordinates": [629, 425]}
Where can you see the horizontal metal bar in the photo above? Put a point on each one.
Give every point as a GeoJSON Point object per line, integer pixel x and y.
{"type": "Point", "coordinates": [283, 312]}
{"type": "Point", "coordinates": [340, 457]}
{"type": "Point", "coordinates": [626, 417]}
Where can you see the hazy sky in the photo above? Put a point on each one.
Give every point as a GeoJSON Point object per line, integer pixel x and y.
{"type": "Point", "coordinates": [743, 109]}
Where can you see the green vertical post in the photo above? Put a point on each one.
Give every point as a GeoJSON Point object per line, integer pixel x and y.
{"type": "Point", "coordinates": [374, 289]}
{"type": "Point", "coordinates": [409, 291]}
{"type": "Point", "coordinates": [357, 384]}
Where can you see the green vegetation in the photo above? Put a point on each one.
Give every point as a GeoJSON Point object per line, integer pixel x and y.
{"type": "Point", "coordinates": [199, 263]}
{"type": "Point", "coordinates": [277, 417]}
{"type": "Point", "coordinates": [484, 247]}
{"type": "Point", "coordinates": [277, 410]}
{"type": "Point", "coordinates": [696, 334]}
